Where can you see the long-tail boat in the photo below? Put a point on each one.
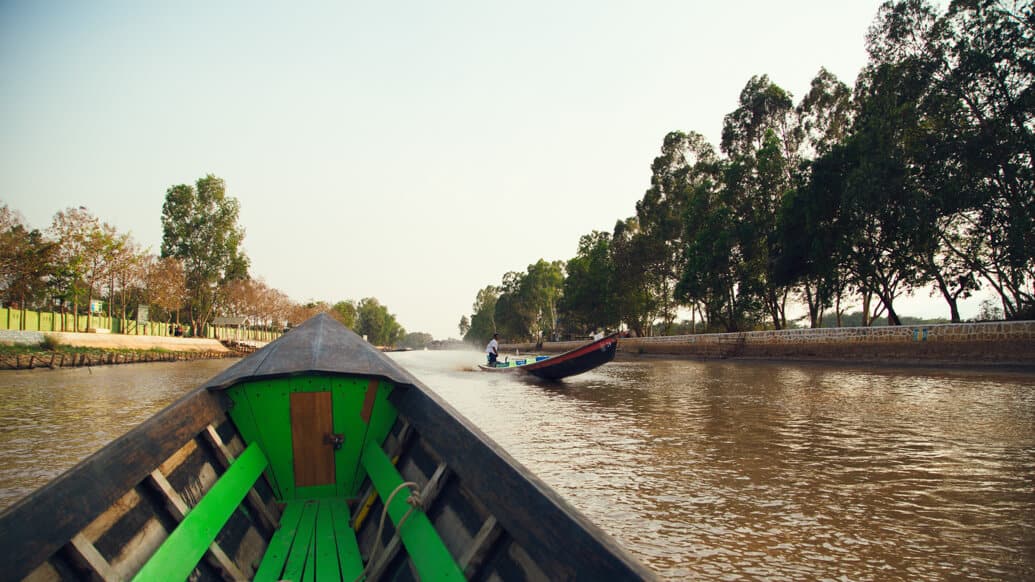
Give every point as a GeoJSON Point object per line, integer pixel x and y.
{"type": "Point", "coordinates": [575, 361]}
{"type": "Point", "coordinates": [314, 458]}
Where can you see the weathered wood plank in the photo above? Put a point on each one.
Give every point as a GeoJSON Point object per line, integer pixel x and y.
{"type": "Point", "coordinates": [66, 505]}
{"type": "Point", "coordinates": [179, 510]}
{"type": "Point", "coordinates": [554, 534]}
{"type": "Point", "coordinates": [88, 555]}
{"type": "Point", "coordinates": [226, 457]}
{"type": "Point", "coordinates": [180, 554]}
{"type": "Point", "coordinates": [311, 422]}
{"type": "Point", "coordinates": [480, 547]}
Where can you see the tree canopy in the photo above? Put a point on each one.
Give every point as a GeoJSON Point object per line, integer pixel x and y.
{"type": "Point", "coordinates": [199, 226]}
{"type": "Point", "coordinates": [920, 175]}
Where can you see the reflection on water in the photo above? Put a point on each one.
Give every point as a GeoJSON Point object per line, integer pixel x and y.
{"type": "Point", "coordinates": [723, 470]}
{"type": "Point", "coordinates": [52, 419]}
{"type": "Point", "coordinates": [704, 470]}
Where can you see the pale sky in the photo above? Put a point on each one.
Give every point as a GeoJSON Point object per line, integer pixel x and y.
{"type": "Point", "coordinates": [409, 151]}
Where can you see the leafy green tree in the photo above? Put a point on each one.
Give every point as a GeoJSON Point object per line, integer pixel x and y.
{"type": "Point", "coordinates": [527, 306]}
{"type": "Point", "coordinates": [416, 340]}
{"type": "Point", "coordinates": [805, 258]}
{"type": "Point", "coordinates": [713, 273]}
{"type": "Point", "coordinates": [345, 312]}
{"type": "Point", "coordinates": [464, 326]}
{"type": "Point", "coordinates": [762, 139]}
{"type": "Point", "coordinates": [378, 325]}
{"type": "Point", "coordinates": [199, 226]}
{"type": "Point", "coordinates": [660, 214]}
{"type": "Point", "coordinates": [512, 319]}
{"type": "Point", "coordinates": [824, 115]}
{"type": "Point", "coordinates": [635, 301]}
{"type": "Point", "coordinates": [763, 107]}
{"type": "Point", "coordinates": [483, 317]}
{"type": "Point", "coordinates": [588, 298]}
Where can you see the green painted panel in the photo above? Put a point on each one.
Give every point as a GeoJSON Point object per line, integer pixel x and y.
{"type": "Point", "coordinates": [280, 545]}
{"type": "Point", "coordinates": [382, 419]}
{"type": "Point", "coordinates": [184, 548]}
{"type": "Point", "coordinates": [423, 544]}
{"type": "Point", "coordinates": [261, 412]}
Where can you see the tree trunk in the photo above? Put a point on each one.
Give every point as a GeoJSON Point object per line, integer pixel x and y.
{"type": "Point", "coordinates": [813, 316]}
{"type": "Point", "coordinates": [89, 308]}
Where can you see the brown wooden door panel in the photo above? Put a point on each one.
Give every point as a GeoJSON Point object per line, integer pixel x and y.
{"type": "Point", "coordinates": [311, 422]}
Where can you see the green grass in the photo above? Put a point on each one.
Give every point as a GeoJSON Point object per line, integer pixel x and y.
{"type": "Point", "coordinates": [48, 347]}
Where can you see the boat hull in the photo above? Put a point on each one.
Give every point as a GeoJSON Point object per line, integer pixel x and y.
{"type": "Point", "coordinates": [576, 361]}
{"type": "Point", "coordinates": [217, 463]}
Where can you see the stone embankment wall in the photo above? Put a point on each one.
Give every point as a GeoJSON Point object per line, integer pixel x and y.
{"type": "Point", "coordinates": [1011, 343]}
{"type": "Point", "coordinates": [111, 348]}
{"type": "Point", "coordinates": [54, 360]}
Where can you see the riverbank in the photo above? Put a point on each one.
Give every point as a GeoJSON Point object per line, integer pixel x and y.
{"type": "Point", "coordinates": [962, 344]}
{"type": "Point", "coordinates": [21, 350]}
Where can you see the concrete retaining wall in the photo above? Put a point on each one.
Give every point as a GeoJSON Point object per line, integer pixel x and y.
{"type": "Point", "coordinates": [967, 343]}
{"type": "Point", "coordinates": [113, 341]}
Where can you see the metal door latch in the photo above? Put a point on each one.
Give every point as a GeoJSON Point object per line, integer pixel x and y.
{"type": "Point", "coordinates": [335, 440]}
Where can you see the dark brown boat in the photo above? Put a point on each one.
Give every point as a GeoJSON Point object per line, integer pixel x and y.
{"type": "Point", "coordinates": [315, 458]}
{"type": "Point", "coordinates": [576, 361]}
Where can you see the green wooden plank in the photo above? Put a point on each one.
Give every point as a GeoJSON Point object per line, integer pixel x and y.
{"type": "Point", "coordinates": [423, 544]}
{"type": "Point", "coordinates": [326, 548]}
{"type": "Point", "coordinates": [382, 419]}
{"type": "Point", "coordinates": [186, 545]}
{"type": "Point", "coordinates": [303, 543]}
{"type": "Point", "coordinates": [244, 418]}
{"type": "Point", "coordinates": [348, 406]}
{"type": "Point", "coordinates": [348, 548]}
{"type": "Point", "coordinates": [280, 545]}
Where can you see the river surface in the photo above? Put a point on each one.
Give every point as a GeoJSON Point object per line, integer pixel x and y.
{"type": "Point", "coordinates": [703, 470]}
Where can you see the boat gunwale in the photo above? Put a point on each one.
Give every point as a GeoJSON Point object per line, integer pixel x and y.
{"type": "Point", "coordinates": [507, 485]}
{"type": "Point", "coordinates": [551, 531]}
{"type": "Point", "coordinates": [599, 344]}
{"type": "Point", "coordinates": [63, 507]}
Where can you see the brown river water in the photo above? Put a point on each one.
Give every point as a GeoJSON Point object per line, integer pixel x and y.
{"type": "Point", "coordinates": [703, 470]}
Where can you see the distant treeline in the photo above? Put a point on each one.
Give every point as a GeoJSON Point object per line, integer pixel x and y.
{"type": "Point", "coordinates": [200, 274]}
{"type": "Point", "coordinates": [921, 176]}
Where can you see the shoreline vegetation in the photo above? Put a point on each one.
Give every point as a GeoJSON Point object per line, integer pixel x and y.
{"type": "Point", "coordinates": [22, 357]}
{"type": "Point", "coordinates": [917, 179]}
{"type": "Point", "coordinates": [968, 345]}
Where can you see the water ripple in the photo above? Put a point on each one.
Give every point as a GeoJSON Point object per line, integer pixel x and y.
{"type": "Point", "coordinates": [735, 471]}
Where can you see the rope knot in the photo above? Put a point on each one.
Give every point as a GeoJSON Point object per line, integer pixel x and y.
{"type": "Point", "coordinates": [415, 500]}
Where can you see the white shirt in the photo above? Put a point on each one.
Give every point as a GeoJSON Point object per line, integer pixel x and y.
{"type": "Point", "coordinates": [493, 347]}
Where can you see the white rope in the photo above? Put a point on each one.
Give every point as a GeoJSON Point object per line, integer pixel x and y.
{"type": "Point", "coordinates": [414, 500]}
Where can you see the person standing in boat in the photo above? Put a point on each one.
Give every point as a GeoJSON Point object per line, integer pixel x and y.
{"type": "Point", "coordinates": [492, 351]}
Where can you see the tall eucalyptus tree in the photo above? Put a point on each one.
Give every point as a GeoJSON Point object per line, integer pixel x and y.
{"type": "Point", "coordinates": [199, 226]}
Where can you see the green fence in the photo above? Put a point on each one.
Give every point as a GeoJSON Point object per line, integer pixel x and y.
{"type": "Point", "coordinates": [25, 320]}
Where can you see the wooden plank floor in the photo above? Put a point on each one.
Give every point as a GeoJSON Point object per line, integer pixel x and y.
{"type": "Point", "coordinates": [314, 542]}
